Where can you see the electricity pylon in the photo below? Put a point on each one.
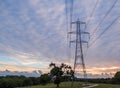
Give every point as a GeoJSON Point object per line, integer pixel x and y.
{"type": "Point", "coordinates": [79, 58]}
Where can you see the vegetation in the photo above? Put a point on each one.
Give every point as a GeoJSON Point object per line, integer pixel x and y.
{"type": "Point", "coordinates": [107, 86]}
{"type": "Point", "coordinates": [77, 85]}
{"type": "Point", "coordinates": [44, 79]}
{"type": "Point", "coordinates": [62, 85]}
{"type": "Point", "coordinates": [116, 79]}
{"type": "Point", "coordinates": [56, 75]}
{"type": "Point", "coordinates": [58, 72]}
{"type": "Point", "coordinates": [18, 81]}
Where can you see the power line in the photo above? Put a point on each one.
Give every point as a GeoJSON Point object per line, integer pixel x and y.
{"type": "Point", "coordinates": [66, 10]}
{"type": "Point", "coordinates": [71, 15]}
{"type": "Point", "coordinates": [93, 11]}
{"type": "Point", "coordinates": [85, 53]}
{"type": "Point", "coordinates": [104, 31]}
{"type": "Point", "coordinates": [71, 11]}
{"type": "Point", "coordinates": [104, 17]}
{"type": "Point", "coordinates": [88, 24]}
{"type": "Point", "coordinates": [67, 28]}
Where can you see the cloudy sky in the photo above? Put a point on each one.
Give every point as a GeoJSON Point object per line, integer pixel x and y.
{"type": "Point", "coordinates": [33, 34]}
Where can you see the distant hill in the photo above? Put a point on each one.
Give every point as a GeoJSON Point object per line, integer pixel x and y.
{"type": "Point", "coordinates": [35, 73]}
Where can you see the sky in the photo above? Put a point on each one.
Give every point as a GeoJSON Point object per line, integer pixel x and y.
{"type": "Point", "coordinates": [33, 34]}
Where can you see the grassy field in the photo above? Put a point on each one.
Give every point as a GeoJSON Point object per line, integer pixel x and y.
{"type": "Point", "coordinates": [107, 86]}
{"type": "Point", "coordinates": [76, 85]}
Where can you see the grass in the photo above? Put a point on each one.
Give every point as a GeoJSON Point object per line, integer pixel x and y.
{"type": "Point", "coordinates": [51, 85]}
{"type": "Point", "coordinates": [76, 85]}
{"type": "Point", "coordinates": [107, 86]}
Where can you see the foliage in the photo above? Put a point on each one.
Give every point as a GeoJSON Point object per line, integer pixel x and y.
{"type": "Point", "coordinates": [44, 79]}
{"type": "Point", "coordinates": [63, 75]}
{"type": "Point", "coordinates": [117, 75]}
{"type": "Point", "coordinates": [19, 81]}
{"type": "Point", "coordinates": [27, 81]}
{"type": "Point", "coordinates": [116, 78]}
{"type": "Point", "coordinates": [11, 81]}
{"type": "Point", "coordinates": [58, 72]}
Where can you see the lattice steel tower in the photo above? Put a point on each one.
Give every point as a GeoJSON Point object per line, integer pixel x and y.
{"type": "Point", "coordinates": [79, 58]}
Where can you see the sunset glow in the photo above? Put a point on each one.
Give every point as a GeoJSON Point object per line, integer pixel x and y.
{"type": "Point", "coordinates": [33, 34]}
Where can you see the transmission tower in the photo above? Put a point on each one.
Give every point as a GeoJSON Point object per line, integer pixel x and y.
{"type": "Point", "coordinates": [79, 58]}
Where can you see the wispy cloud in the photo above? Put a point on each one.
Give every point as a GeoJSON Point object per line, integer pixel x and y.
{"type": "Point", "coordinates": [34, 32]}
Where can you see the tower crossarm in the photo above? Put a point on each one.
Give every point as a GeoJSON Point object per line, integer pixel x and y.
{"type": "Point", "coordinates": [85, 33]}
{"type": "Point", "coordinates": [80, 22]}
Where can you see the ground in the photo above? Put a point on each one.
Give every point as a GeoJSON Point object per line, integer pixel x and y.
{"type": "Point", "coordinates": [107, 86]}
{"type": "Point", "coordinates": [76, 85]}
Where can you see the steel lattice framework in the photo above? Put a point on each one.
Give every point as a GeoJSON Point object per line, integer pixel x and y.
{"type": "Point", "coordinates": [79, 58]}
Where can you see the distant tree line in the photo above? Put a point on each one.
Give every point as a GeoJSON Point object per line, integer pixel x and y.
{"type": "Point", "coordinates": [57, 74]}
{"type": "Point", "coordinates": [20, 81]}
{"type": "Point", "coordinates": [114, 80]}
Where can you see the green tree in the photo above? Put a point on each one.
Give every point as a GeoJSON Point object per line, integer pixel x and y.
{"type": "Point", "coordinates": [27, 82]}
{"type": "Point", "coordinates": [57, 72]}
{"type": "Point", "coordinates": [44, 79]}
{"type": "Point", "coordinates": [116, 78]}
{"type": "Point", "coordinates": [7, 83]}
{"type": "Point", "coordinates": [117, 75]}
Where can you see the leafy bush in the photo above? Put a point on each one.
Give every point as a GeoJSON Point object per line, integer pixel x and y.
{"type": "Point", "coordinates": [44, 79]}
